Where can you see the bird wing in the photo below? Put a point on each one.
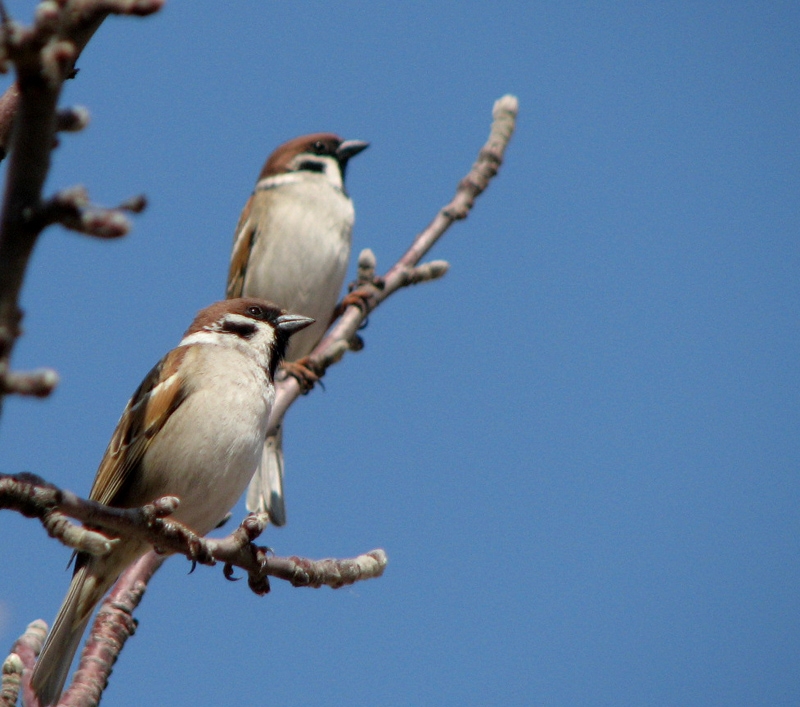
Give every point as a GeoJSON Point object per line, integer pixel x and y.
{"type": "Point", "coordinates": [160, 394]}
{"type": "Point", "coordinates": [242, 245]}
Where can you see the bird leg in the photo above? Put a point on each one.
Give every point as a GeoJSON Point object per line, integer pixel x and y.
{"type": "Point", "coordinates": [302, 371]}
{"type": "Point", "coordinates": [359, 297]}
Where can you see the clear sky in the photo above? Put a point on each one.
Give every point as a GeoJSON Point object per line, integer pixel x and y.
{"type": "Point", "coordinates": [579, 449]}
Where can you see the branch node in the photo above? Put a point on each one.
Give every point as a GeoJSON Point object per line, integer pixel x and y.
{"type": "Point", "coordinates": [71, 208]}
{"type": "Point", "coordinates": [57, 60]}
{"type": "Point", "coordinates": [367, 262]}
{"type": "Point", "coordinates": [161, 507]}
{"type": "Point", "coordinates": [46, 16]}
{"type": "Point", "coordinates": [254, 524]}
{"type": "Point", "coordinates": [140, 8]}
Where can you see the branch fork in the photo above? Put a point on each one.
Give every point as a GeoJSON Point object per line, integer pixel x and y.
{"type": "Point", "coordinates": [33, 497]}
{"type": "Point", "coordinates": [36, 498]}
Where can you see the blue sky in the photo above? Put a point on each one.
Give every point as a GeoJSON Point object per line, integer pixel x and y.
{"type": "Point", "coordinates": [579, 449]}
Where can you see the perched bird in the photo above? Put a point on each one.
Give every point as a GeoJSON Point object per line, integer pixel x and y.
{"type": "Point", "coordinates": [193, 429]}
{"type": "Point", "coordinates": [292, 247]}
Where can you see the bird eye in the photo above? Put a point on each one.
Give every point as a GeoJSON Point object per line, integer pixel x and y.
{"type": "Point", "coordinates": [255, 311]}
{"type": "Point", "coordinates": [319, 147]}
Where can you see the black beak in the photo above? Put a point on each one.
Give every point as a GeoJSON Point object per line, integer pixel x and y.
{"type": "Point", "coordinates": [350, 148]}
{"type": "Point", "coordinates": [290, 323]}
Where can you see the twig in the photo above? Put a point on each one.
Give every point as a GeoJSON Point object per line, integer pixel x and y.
{"type": "Point", "coordinates": [343, 334]}
{"type": "Point", "coordinates": [35, 498]}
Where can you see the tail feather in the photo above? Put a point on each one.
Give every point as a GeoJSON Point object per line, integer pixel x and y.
{"type": "Point", "coordinates": [265, 493]}
{"type": "Point", "coordinates": [62, 642]}
{"type": "Point", "coordinates": [91, 581]}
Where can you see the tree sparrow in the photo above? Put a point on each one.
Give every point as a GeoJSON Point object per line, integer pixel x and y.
{"type": "Point", "coordinates": [193, 429]}
{"type": "Point", "coordinates": [292, 246]}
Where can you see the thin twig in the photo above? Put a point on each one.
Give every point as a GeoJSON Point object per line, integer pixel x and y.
{"type": "Point", "coordinates": [342, 335]}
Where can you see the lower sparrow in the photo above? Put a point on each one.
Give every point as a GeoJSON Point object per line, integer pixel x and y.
{"type": "Point", "coordinates": [193, 429]}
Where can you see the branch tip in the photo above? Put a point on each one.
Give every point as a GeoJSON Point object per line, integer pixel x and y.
{"type": "Point", "coordinates": [47, 15]}
{"type": "Point", "coordinates": [507, 105]}
{"type": "Point", "coordinates": [39, 383]}
{"type": "Point", "coordinates": [139, 8]}
{"type": "Point", "coordinates": [426, 272]}
{"type": "Point", "coordinates": [135, 205]}
{"type": "Point", "coordinates": [72, 120]}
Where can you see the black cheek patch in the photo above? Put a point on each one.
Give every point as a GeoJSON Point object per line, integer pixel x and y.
{"type": "Point", "coordinates": [311, 166]}
{"type": "Point", "coordinates": [243, 329]}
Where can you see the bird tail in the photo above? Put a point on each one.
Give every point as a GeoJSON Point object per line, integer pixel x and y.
{"type": "Point", "coordinates": [90, 582]}
{"type": "Point", "coordinates": [265, 493]}
{"type": "Point", "coordinates": [62, 642]}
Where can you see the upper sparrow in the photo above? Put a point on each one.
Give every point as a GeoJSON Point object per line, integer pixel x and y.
{"type": "Point", "coordinates": [193, 429]}
{"type": "Point", "coordinates": [292, 246]}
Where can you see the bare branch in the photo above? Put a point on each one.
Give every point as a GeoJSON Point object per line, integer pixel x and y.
{"type": "Point", "coordinates": [343, 334]}
{"type": "Point", "coordinates": [426, 272]}
{"type": "Point", "coordinates": [71, 208]}
{"type": "Point", "coordinates": [35, 498]}
{"type": "Point", "coordinates": [43, 56]}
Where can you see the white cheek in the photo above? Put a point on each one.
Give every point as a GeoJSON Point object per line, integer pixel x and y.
{"type": "Point", "coordinates": [259, 346]}
{"type": "Point", "coordinates": [201, 337]}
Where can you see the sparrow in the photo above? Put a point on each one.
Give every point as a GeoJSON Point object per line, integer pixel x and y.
{"type": "Point", "coordinates": [194, 429]}
{"type": "Point", "coordinates": [292, 247]}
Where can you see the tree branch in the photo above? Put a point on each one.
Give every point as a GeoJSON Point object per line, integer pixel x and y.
{"type": "Point", "coordinates": [372, 290]}
{"type": "Point", "coordinates": [35, 498]}
{"type": "Point", "coordinates": [43, 56]}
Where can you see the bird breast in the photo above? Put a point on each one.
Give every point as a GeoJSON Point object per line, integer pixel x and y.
{"type": "Point", "coordinates": [300, 252]}
{"type": "Point", "coordinates": [209, 448]}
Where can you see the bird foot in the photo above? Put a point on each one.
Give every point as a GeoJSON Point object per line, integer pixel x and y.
{"type": "Point", "coordinates": [360, 297]}
{"type": "Point", "coordinates": [302, 371]}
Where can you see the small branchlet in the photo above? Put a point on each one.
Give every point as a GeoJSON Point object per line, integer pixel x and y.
{"type": "Point", "coordinates": [426, 272]}
{"type": "Point", "coordinates": [139, 8]}
{"type": "Point", "coordinates": [371, 290]}
{"type": "Point", "coordinates": [72, 209]}
{"type": "Point", "coordinates": [39, 383]}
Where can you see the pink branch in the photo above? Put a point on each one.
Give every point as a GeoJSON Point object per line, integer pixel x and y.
{"type": "Point", "coordinates": [343, 334]}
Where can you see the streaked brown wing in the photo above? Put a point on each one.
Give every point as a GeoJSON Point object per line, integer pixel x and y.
{"type": "Point", "coordinates": [143, 417]}
{"type": "Point", "coordinates": [242, 243]}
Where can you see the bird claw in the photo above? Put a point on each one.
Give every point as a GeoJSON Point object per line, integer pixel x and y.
{"type": "Point", "coordinates": [302, 371]}
{"type": "Point", "coordinates": [358, 296]}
